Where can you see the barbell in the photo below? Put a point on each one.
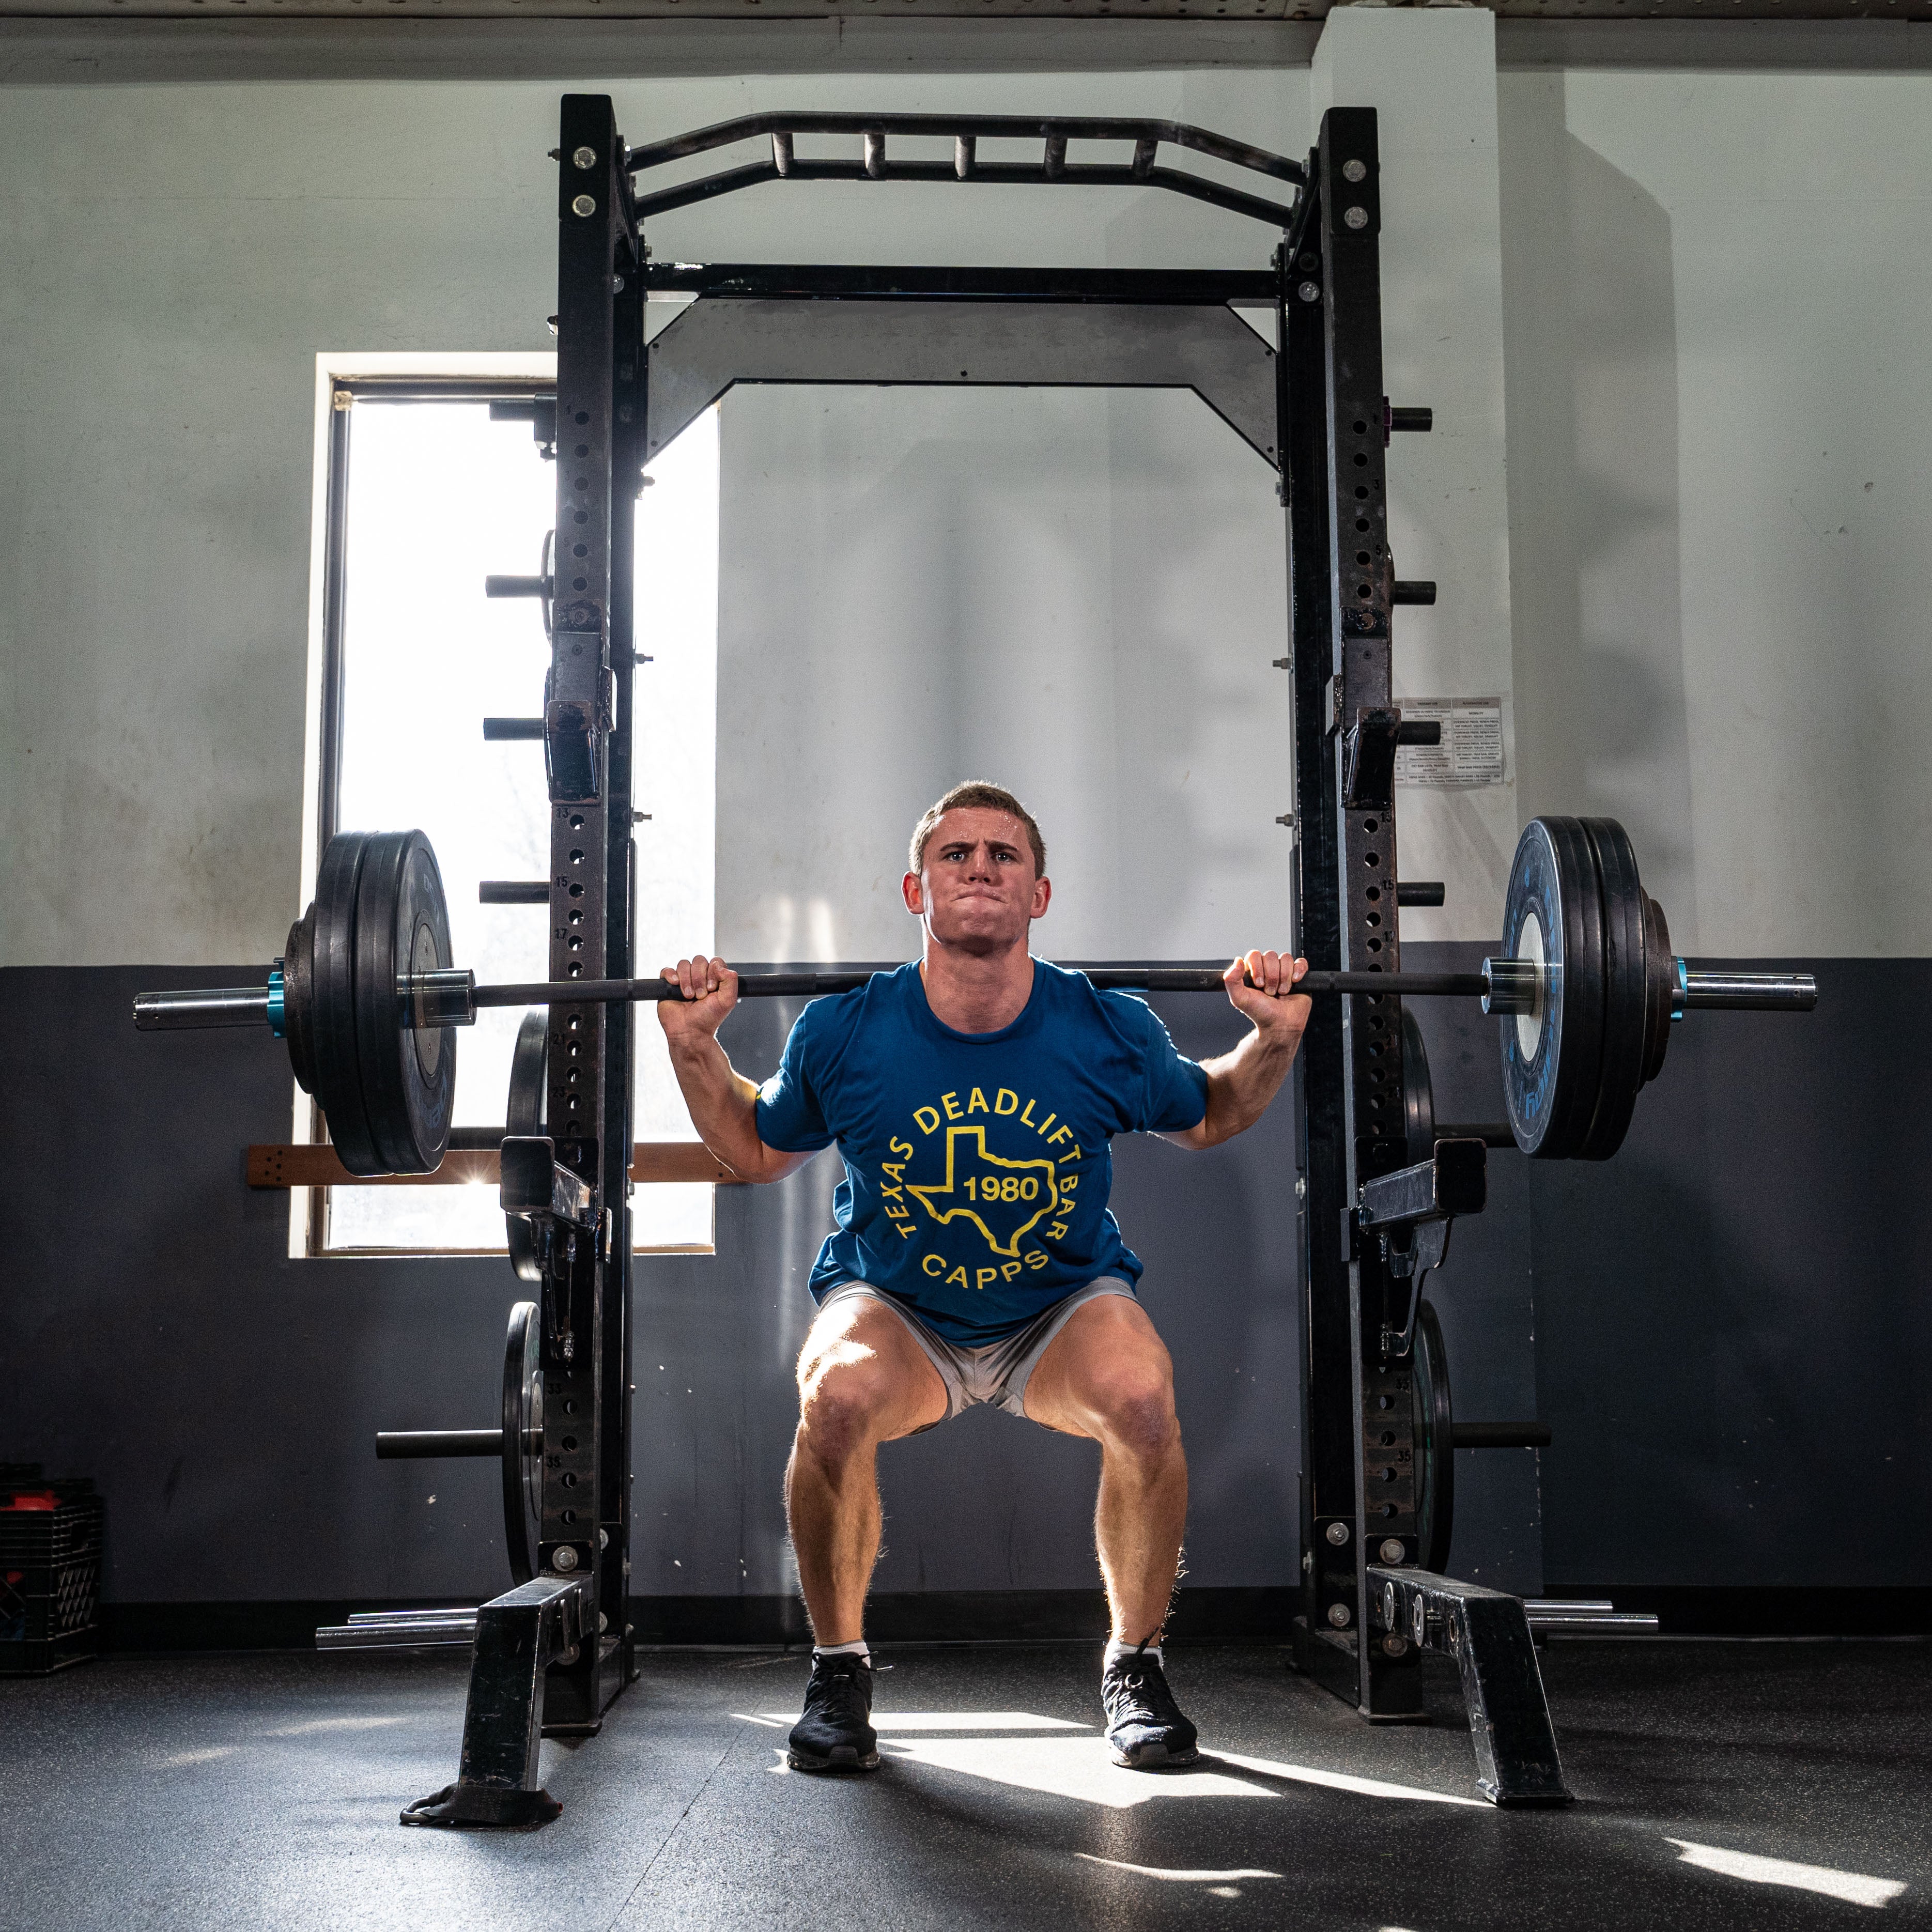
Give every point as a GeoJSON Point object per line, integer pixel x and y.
{"type": "Point", "coordinates": [1585, 984]}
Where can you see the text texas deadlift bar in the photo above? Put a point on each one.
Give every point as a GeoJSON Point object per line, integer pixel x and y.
{"type": "Point", "coordinates": [1584, 983]}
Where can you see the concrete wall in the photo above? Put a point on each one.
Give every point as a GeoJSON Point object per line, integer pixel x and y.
{"type": "Point", "coordinates": [1432, 77]}
{"type": "Point", "coordinates": [159, 383]}
{"type": "Point", "coordinates": [1717, 418]}
{"type": "Point", "coordinates": [159, 333]}
{"type": "Point", "coordinates": [1715, 285]}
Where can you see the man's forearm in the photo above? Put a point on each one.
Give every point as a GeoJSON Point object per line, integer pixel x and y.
{"type": "Point", "coordinates": [1241, 1084]}
{"type": "Point", "coordinates": [723, 1105]}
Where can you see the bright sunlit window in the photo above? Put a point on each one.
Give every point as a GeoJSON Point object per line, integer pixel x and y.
{"type": "Point", "coordinates": [439, 497]}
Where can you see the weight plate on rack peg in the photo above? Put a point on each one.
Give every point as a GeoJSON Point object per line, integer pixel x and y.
{"type": "Point", "coordinates": [1434, 1439]}
{"type": "Point", "coordinates": [524, 1115]}
{"type": "Point", "coordinates": [1582, 1043]}
{"type": "Point", "coordinates": [522, 1440]}
{"type": "Point", "coordinates": [1418, 1099]}
{"type": "Point", "coordinates": [1659, 988]}
{"type": "Point", "coordinates": [298, 966]}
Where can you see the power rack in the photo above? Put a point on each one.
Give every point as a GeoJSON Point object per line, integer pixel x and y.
{"type": "Point", "coordinates": [550, 1655]}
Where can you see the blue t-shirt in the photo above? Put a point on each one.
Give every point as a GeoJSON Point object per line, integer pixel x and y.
{"type": "Point", "coordinates": [977, 1164]}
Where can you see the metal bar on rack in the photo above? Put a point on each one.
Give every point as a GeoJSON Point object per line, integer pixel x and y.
{"type": "Point", "coordinates": [978, 127]}
{"type": "Point", "coordinates": [818, 281]}
{"type": "Point", "coordinates": [316, 1164]}
{"type": "Point", "coordinates": [1011, 174]}
{"type": "Point", "coordinates": [401, 1630]}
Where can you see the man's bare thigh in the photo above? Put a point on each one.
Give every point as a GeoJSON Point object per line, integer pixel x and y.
{"type": "Point", "coordinates": [859, 1350]}
{"type": "Point", "coordinates": [1109, 1346]}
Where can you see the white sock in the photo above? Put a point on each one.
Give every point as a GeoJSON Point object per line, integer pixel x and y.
{"type": "Point", "coordinates": [857, 1647]}
{"type": "Point", "coordinates": [1116, 1650]}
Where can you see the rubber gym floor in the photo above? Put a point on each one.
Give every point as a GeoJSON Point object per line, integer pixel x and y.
{"type": "Point", "coordinates": [1749, 1785]}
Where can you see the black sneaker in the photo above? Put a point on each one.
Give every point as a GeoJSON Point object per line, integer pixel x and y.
{"type": "Point", "coordinates": [1144, 1725]}
{"type": "Point", "coordinates": [836, 1733]}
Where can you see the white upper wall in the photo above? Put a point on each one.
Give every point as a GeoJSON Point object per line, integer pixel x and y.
{"type": "Point", "coordinates": [158, 327]}
{"type": "Point", "coordinates": [1712, 566]}
{"type": "Point", "coordinates": [1431, 76]}
{"type": "Point", "coordinates": [1077, 593]}
{"type": "Point", "coordinates": [175, 259]}
{"type": "Point", "coordinates": [1719, 413]}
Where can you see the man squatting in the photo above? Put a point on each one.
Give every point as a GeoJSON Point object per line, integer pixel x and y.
{"type": "Point", "coordinates": [973, 1094]}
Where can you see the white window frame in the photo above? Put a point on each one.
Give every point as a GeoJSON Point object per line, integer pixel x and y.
{"type": "Point", "coordinates": [333, 370]}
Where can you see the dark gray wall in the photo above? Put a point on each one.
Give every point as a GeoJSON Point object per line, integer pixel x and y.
{"type": "Point", "coordinates": [1725, 1336]}
{"type": "Point", "coordinates": [1728, 1324]}
{"type": "Point", "coordinates": [155, 1335]}
{"type": "Point", "coordinates": [1733, 1322]}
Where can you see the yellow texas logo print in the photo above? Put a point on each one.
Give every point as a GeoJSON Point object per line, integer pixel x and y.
{"type": "Point", "coordinates": [1012, 1195]}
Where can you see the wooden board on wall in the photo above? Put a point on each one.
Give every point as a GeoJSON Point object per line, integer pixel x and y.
{"type": "Point", "coordinates": [317, 1165]}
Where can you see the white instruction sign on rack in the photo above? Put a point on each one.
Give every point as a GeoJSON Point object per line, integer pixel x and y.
{"type": "Point", "coordinates": [1471, 750]}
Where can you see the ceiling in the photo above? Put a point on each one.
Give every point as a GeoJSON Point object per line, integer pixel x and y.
{"type": "Point", "coordinates": [532, 10]}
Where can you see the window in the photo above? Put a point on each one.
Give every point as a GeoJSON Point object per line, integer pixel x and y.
{"type": "Point", "coordinates": [432, 495]}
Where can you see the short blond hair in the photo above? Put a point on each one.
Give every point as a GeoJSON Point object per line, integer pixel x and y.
{"type": "Point", "coordinates": [976, 794]}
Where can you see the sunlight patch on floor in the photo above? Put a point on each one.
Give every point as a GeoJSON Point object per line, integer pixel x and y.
{"type": "Point", "coordinates": [312, 1726]}
{"type": "Point", "coordinates": [1083, 1767]}
{"type": "Point", "coordinates": [1080, 1767]}
{"type": "Point", "coordinates": [945, 1720]}
{"type": "Point", "coordinates": [1855, 1888]}
{"type": "Point", "coordinates": [1183, 1877]}
{"type": "Point", "coordinates": [1340, 1781]}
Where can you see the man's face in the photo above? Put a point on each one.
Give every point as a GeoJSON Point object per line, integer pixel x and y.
{"type": "Point", "coordinates": [977, 888]}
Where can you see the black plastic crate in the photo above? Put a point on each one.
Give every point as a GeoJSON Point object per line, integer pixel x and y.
{"type": "Point", "coordinates": [50, 1547]}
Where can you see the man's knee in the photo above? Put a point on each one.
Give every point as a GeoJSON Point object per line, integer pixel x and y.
{"type": "Point", "coordinates": [1134, 1402]}
{"type": "Point", "coordinates": [1107, 1374]}
{"type": "Point", "coordinates": [860, 1383]}
{"type": "Point", "coordinates": [1129, 1382]}
{"type": "Point", "coordinates": [841, 1408]}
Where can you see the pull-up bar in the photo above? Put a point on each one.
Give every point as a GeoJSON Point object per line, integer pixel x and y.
{"type": "Point", "coordinates": [966, 131]}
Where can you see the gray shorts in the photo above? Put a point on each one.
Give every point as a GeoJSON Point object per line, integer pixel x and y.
{"type": "Point", "coordinates": [998, 1373]}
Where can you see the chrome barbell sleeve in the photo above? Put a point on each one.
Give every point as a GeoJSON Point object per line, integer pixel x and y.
{"type": "Point", "coordinates": [208, 1006]}
{"type": "Point", "coordinates": [1511, 986]}
{"type": "Point", "coordinates": [1698, 986]}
